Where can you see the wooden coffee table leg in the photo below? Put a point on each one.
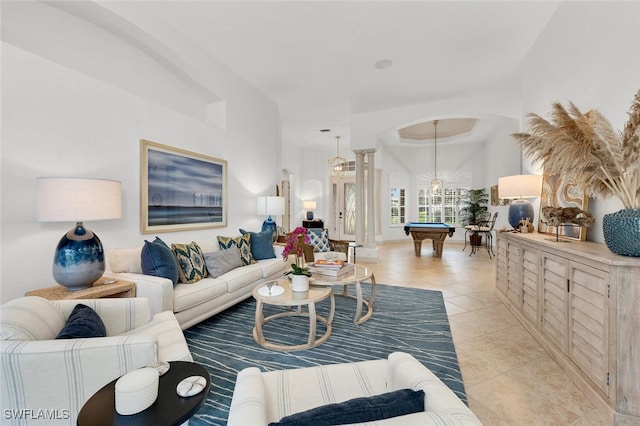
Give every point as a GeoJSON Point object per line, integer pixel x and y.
{"type": "Point", "coordinates": [312, 323]}
{"type": "Point", "coordinates": [372, 299]}
{"type": "Point", "coordinates": [359, 301]}
{"type": "Point", "coordinates": [258, 335]}
{"type": "Point", "coordinates": [332, 310]}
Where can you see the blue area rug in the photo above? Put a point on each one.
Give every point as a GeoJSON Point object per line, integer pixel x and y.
{"type": "Point", "coordinates": [408, 320]}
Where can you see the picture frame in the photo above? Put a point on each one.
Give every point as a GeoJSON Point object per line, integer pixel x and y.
{"type": "Point", "coordinates": [560, 192]}
{"type": "Point", "coordinates": [494, 195]}
{"type": "Point", "coordinates": [495, 198]}
{"type": "Point", "coordinates": [180, 190]}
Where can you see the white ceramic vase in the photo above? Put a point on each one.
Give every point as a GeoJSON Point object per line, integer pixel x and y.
{"type": "Point", "coordinates": [299, 282]}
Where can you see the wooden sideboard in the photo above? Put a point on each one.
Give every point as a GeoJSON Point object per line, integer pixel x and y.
{"type": "Point", "coordinates": [582, 304]}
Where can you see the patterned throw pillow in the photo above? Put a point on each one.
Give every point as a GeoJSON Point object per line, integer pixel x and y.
{"type": "Point", "coordinates": [192, 267]}
{"type": "Point", "coordinates": [319, 239]}
{"type": "Point", "coordinates": [244, 245]}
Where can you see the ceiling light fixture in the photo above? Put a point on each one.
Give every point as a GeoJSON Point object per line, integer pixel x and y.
{"type": "Point", "coordinates": [435, 183]}
{"type": "Point", "coordinates": [383, 64]}
{"type": "Point", "coordinates": [337, 165]}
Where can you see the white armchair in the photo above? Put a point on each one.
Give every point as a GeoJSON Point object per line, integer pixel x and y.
{"type": "Point", "coordinates": [48, 379]}
{"type": "Point", "coordinates": [261, 398]}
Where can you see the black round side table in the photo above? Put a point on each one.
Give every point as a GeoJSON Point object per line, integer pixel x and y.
{"type": "Point", "coordinates": [168, 409]}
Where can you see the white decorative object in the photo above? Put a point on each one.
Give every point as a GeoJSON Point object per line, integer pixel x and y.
{"type": "Point", "coordinates": [299, 282]}
{"type": "Point", "coordinates": [271, 291]}
{"type": "Point", "coordinates": [136, 391]}
{"type": "Point", "coordinates": [161, 367]}
{"type": "Point", "coordinates": [192, 385]}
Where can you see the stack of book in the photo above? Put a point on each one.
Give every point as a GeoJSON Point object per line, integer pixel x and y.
{"type": "Point", "coordinates": [332, 268]}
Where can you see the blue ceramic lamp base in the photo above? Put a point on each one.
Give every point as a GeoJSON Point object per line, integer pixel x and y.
{"type": "Point", "coordinates": [79, 259]}
{"type": "Point", "coordinates": [270, 225]}
{"type": "Point", "coordinates": [518, 210]}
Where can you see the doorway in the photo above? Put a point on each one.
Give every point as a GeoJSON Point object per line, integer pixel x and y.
{"type": "Point", "coordinates": [342, 208]}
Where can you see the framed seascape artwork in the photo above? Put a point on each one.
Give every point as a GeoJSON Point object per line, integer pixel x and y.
{"type": "Point", "coordinates": [558, 192]}
{"type": "Point", "coordinates": [181, 190]}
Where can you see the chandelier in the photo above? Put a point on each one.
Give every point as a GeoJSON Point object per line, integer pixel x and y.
{"type": "Point", "coordinates": [338, 166]}
{"type": "Point", "coordinates": [435, 183]}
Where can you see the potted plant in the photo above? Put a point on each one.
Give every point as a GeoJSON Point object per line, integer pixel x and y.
{"type": "Point", "coordinates": [474, 211]}
{"type": "Point", "coordinates": [584, 148]}
{"type": "Point", "coordinates": [294, 246]}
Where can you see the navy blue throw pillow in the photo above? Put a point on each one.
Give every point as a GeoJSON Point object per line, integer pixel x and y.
{"type": "Point", "coordinates": [158, 260]}
{"type": "Point", "coordinates": [261, 244]}
{"type": "Point", "coordinates": [83, 322]}
{"type": "Point", "coordinates": [359, 410]}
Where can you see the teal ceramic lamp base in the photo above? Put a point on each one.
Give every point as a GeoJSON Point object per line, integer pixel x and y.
{"type": "Point", "coordinates": [79, 259]}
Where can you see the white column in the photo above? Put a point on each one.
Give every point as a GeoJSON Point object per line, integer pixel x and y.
{"type": "Point", "coordinates": [360, 189]}
{"type": "Point", "coordinates": [371, 223]}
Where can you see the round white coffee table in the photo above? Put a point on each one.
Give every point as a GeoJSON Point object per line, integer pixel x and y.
{"type": "Point", "coordinates": [282, 295]}
{"type": "Point", "coordinates": [356, 277]}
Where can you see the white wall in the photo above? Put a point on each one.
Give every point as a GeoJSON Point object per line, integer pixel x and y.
{"type": "Point", "coordinates": [588, 54]}
{"type": "Point", "coordinates": [60, 120]}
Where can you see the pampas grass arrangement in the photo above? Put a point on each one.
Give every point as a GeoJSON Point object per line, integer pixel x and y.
{"type": "Point", "coordinates": [585, 148]}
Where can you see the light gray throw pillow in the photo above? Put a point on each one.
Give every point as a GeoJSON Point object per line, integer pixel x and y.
{"type": "Point", "coordinates": [222, 261]}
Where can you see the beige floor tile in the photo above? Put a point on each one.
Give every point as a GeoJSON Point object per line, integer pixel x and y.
{"type": "Point", "coordinates": [453, 309]}
{"type": "Point", "coordinates": [544, 376]}
{"type": "Point", "coordinates": [594, 418]}
{"type": "Point", "coordinates": [474, 369]}
{"type": "Point", "coordinates": [469, 303]}
{"type": "Point", "coordinates": [518, 404]}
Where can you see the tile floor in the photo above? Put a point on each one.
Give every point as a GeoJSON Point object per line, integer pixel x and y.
{"type": "Point", "coordinates": [509, 378]}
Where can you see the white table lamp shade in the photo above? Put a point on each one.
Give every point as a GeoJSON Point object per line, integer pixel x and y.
{"type": "Point", "coordinates": [520, 186]}
{"type": "Point", "coordinates": [271, 205]}
{"type": "Point", "coordinates": [78, 260]}
{"type": "Point", "coordinates": [73, 200]}
{"type": "Point", "coordinates": [309, 206]}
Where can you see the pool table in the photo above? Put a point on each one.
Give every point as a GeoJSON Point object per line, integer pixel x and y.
{"type": "Point", "coordinates": [437, 232]}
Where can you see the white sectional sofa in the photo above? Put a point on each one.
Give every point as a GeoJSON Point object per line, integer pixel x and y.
{"type": "Point", "coordinates": [193, 303]}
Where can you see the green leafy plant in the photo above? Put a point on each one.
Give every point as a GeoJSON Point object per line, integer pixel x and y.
{"type": "Point", "coordinates": [298, 270]}
{"type": "Point", "coordinates": [474, 207]}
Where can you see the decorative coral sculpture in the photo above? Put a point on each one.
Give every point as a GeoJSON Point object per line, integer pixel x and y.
{"type": "Point", "coordinates": [556, 216]}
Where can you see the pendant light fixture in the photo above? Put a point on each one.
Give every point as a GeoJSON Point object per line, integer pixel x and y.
{"type": "Point", "coordinates": [435, 183]}
{"type": "Point", "coordinates": [337, 165]}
